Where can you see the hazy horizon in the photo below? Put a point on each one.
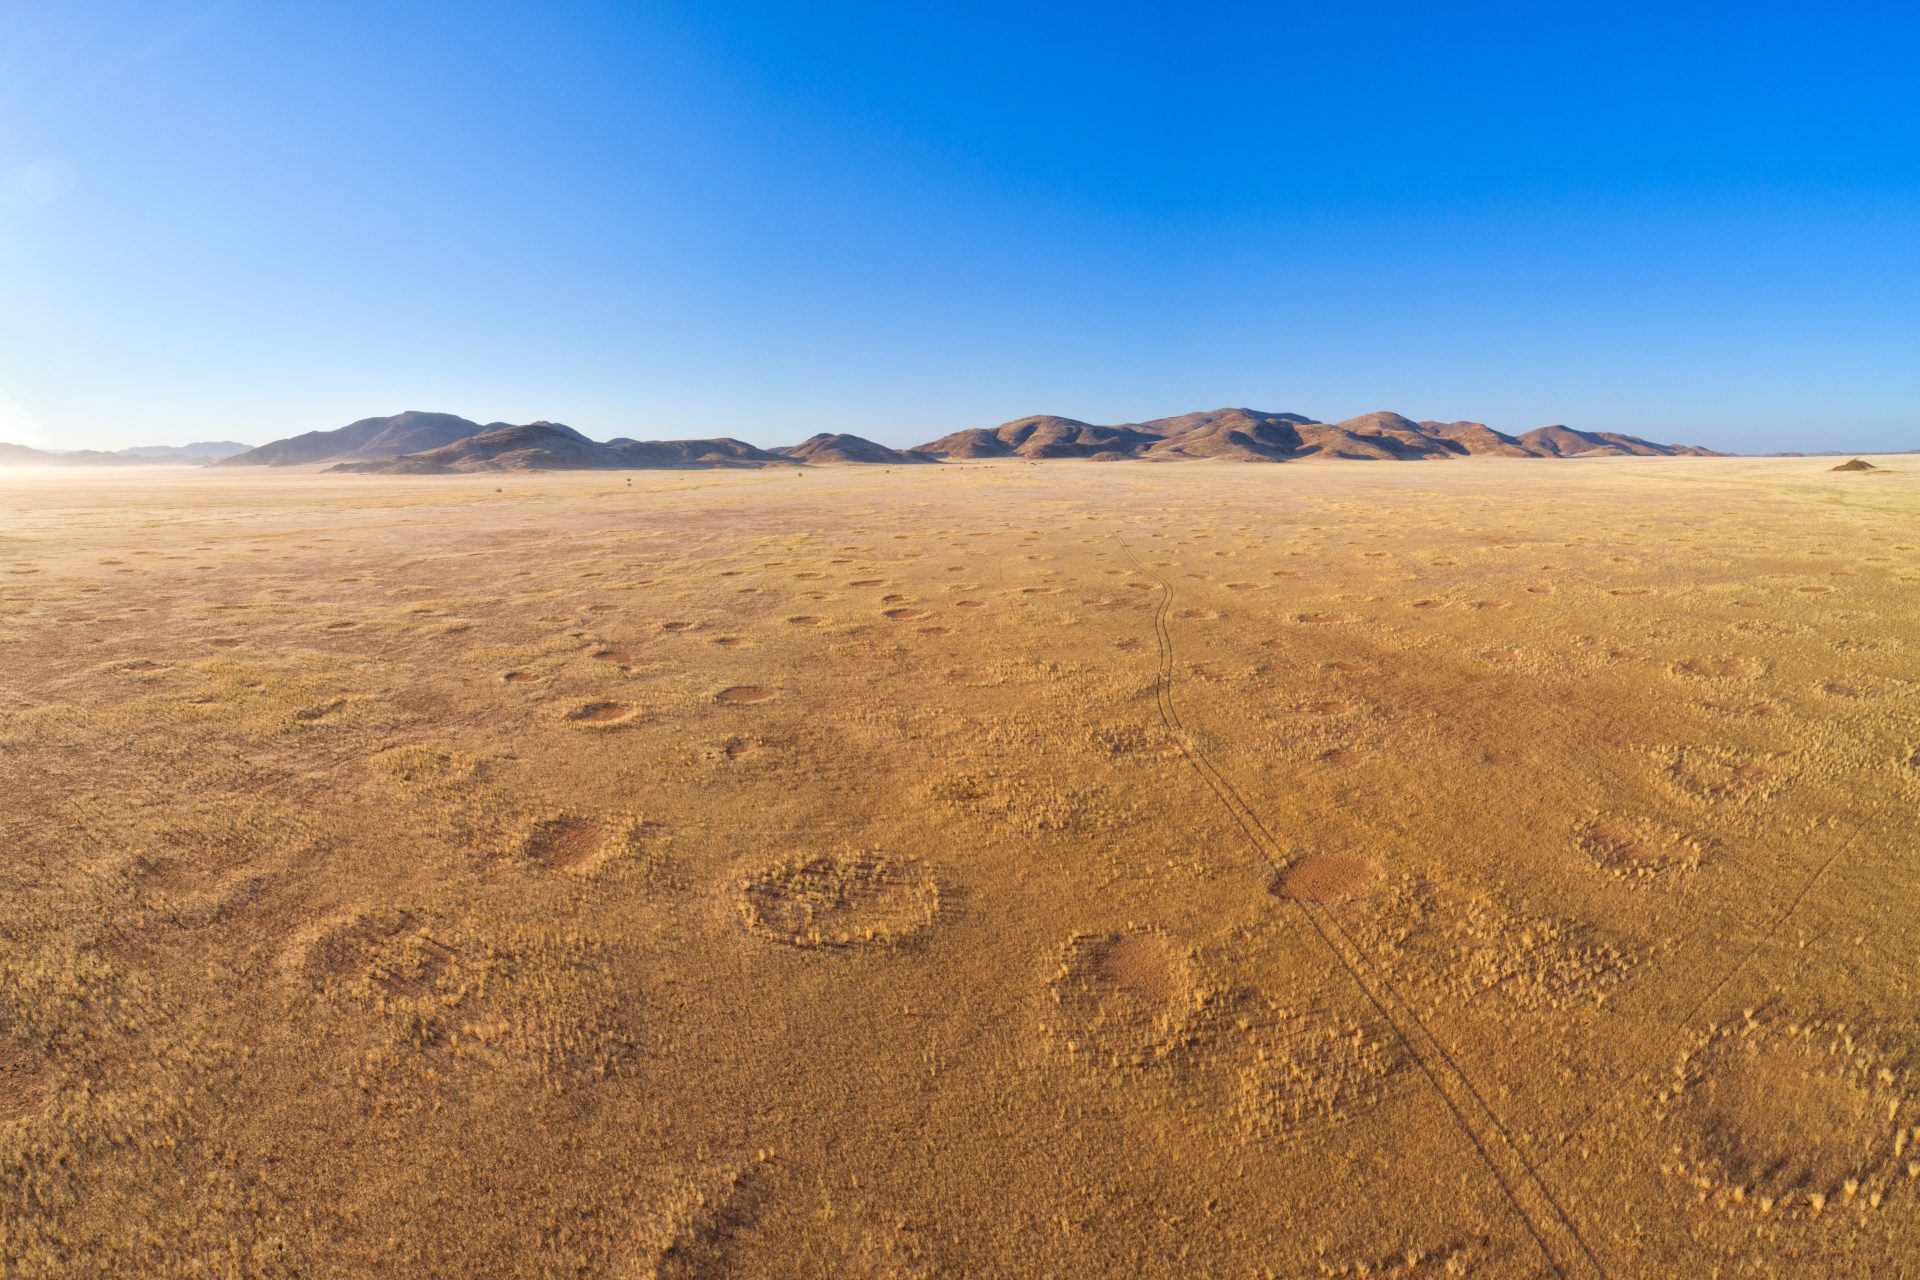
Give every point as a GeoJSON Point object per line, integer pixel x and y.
{"type": "Point", "coordinates": [236, 222]}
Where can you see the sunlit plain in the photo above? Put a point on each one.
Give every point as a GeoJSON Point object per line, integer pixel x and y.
{"type": "Point", "coordinates": [1492, 868]}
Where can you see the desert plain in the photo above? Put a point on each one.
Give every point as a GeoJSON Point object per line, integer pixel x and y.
{"type": "Point", "coordinates": [1484, 868]}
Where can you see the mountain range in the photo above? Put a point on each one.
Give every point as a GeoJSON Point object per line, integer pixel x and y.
{"type": "Point", "coordinates": [199, 454]}
{"type": "Point", "coordinates": [415, 443]}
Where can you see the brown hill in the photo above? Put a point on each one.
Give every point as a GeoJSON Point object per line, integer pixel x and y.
{"type": "Point", "coordinates": [1242, 434]}
{"type": "Point", "coordinates": [550, 446]}
{"type": "Point", "coordinates": [1256, 436]}
{"type": "Point", "coordinates": [1477, 439]}
{"type": "Point", "coordinates": [1565, 442]}
{"type": "Point", "coordinates": [835, 448]}
{"type": "Point", "coordinates": [1042, 436]}
{"type": "Point", "coordinates": [1856, 464]}
{"type": "Point", "coordinates": [367, 439]}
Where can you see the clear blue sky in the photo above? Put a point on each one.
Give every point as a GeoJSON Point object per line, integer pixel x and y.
{"type": "Point", "coordinates": [246, 220]}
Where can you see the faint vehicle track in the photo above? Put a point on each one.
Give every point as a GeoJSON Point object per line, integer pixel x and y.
{"type": "Point", "coordinates": [1714, 988]}
{"type": "Point", "coordinates": [1559, 1240]}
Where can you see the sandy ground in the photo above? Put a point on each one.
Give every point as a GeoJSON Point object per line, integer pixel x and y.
{"type": "Point", "coordinates": [1486, 868]}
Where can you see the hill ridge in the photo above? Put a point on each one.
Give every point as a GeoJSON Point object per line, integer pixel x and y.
{"type": "Point", "coordinates": [422, 443]}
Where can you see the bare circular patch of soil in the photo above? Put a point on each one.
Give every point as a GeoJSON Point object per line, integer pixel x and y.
{"type": "Point", "coordinates": [740, 695]}
{"type": "Point", "coordinates": [1721, 668]}
{"type": "Point", "coordinates": [1717, 775]}
{"type": "Point", "coordinates": [519, 677]}
{"type": "Point", "coordinates": [806, 620]}
{"type": "Point", "coordinates": [678, 626]}
{"type": "Point", "coordinates": [906, 615]}
{"type": "Point", "coordinates": [23, 1081]}
{"type": "Point", "coordinates": [1862, 688]}
{"type": "Point", "coordinates": [603, 714]}
{"type": "Point", "coordinates": [1124, 999]}
{"type": "Point", "coordinates": [839, 900]}
{"type": "Point", "coordinates": [1635, 848]}
{"type": "Point", "coordinates": [1777, 1115]}
{"type": "Point", "coordinates": [1326, 877]}
{"type": "Point", "coordinates": [565, 843]}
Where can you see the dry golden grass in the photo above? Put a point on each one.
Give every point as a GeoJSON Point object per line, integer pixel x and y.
{"type": "Point", "coordinates": [1499, 869]}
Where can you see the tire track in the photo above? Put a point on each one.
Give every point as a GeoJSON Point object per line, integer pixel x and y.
{"type": "Point", "coordinates": [1539, 1211]}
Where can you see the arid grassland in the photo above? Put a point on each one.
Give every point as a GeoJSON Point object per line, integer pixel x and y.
{"type": "Point", "coordinates": [1488, 868]}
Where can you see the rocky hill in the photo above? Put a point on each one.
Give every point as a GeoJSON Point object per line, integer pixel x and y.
{"type": "Point", "coordinates": [836, 447]}
{"type": "Point", "coordinates": [415, 443]}
{"type": "Point", "coordinates": [1254, 435]}
{"type": "Point", "coordinates": [551, 446]}
{"type": "Point", "coordinates": [366, 440]}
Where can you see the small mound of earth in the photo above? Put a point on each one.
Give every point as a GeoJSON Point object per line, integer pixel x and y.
{"type": "Point", "coordinates": [603, 714]}
{"type": "Point", "coordinates": [1124, 999]}
{"type": "Point", "coordinates": [741, 695]}
{"type": "Point", "coordinates": [565, 843]}
{"type": "Point", "coordinates": [1855, 464]}
{"type": "Point", "coordinates": [1777, 1115]}
{"type": "Point", "coordinates": [1635, 848]}
{"type": "Point", "coordinates": [839, 900]}
{"type": "Point", "coordinates": [1326, 877]}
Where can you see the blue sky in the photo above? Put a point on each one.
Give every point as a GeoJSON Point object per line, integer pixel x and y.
{"type": "Point", "coordinates": [245, 220]}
